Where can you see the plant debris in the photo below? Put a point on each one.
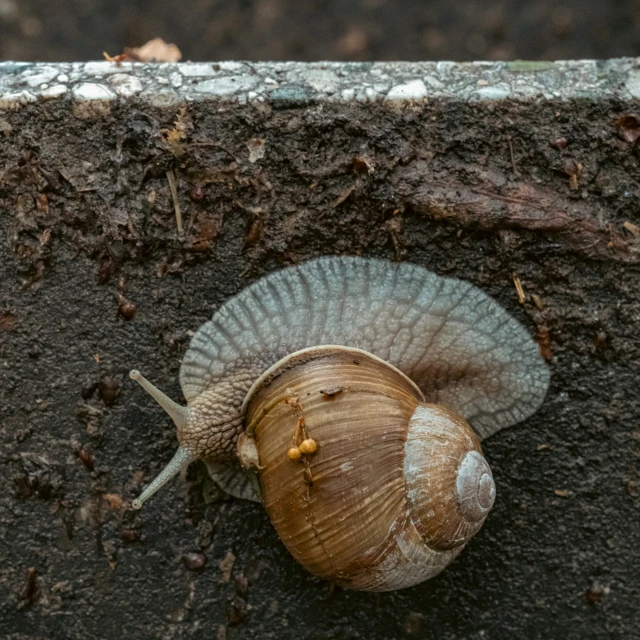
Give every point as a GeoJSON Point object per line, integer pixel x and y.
{"type": "Point", "coordinates": [176, 202]}
{"type": "Point", "coordinates": [109, 390]}
{"type": "Point", "coordinates": [519, 290]}
{"type": "Point", "coordinates": [226, 565]}
{"type": "Point", "coordinates": [629, 128]}
{"type": "Point", "coordinates": [156, 50]}
{"type": "Point", "coordinates": [544, 342]}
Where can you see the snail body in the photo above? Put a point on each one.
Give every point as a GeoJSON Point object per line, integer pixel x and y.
{"type": "Point", "coordinates": [371, 372]}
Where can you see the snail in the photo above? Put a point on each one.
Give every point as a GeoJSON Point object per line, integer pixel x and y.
{"type": "Point", "coordinates": [340, 394]}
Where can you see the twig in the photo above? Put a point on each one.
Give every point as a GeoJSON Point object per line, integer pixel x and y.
{"type": "Point", "coordinates": [513, 158]}
{"type": "Point", "coordinates": [176, 204]}
{"type": "Point", "coordinates": [519, 289]}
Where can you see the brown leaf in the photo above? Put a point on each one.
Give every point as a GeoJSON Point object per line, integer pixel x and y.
{"type": "Point", "coordinates": [31, 591]}
{"type": "Point", "coordinates": [633, 229]}
{"type": "Point", "coordinates": [109, 390]}
{"type": "Point", "coordinates": [362, 165]}
{"type": "Point", "coordinates": [114, 500]}
{"type": "Point", "coordinates": [544, 342]}
{"type": "Point", "coordinates": [86, 459]}
{"type": "Point", "coordinates": [574, 170]}
{"type": "Point", "coordinates": [156, 50]}
{"type": "Point", "coordinates": [206, 232]}
{"type": "Point", "coordinates": [254, 231]}
{"type": "Point", "coordinates": [129, 536]}
{"type": "Point", "coordinates": [226, 565]}
{"type": "Point", "coordinates": [628, 127]}
{"type": "Point", "coordinates": [237, 612]}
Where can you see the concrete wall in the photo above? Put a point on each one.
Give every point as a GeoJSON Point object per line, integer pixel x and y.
{"type": "Point", "coordinates": [487, 172]}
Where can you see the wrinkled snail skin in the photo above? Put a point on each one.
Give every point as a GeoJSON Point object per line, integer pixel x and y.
{"type": "Point", "coordinates": [381, 365]}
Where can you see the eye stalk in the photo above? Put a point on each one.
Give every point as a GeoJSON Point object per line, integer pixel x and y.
{"type": "Point", "coordinates": [182, 457]}
{"type": "Point", "coordinates": [179, 461]}
{"type": "Point", "coordinates": [178, 413]}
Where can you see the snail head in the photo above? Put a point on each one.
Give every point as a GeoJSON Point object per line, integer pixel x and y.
{"type": "Point", "coordinates": [203, 430]}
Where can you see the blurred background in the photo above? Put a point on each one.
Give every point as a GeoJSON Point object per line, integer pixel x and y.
{"type": "Point", "coordinates": [63, 30]}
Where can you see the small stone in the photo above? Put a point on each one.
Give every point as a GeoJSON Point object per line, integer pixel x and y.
{"type": "Point", "coordinates": [256, 148]}
{"type": "Point", "coordinates": [128, 536]}
{"type": "Point", "coordinates": [194, 561]}
{"type": "Point", "coordinates": [125, 85]}
{"type": "Point", "coordinates": [127, 310]}
{"type": "Point", "coordinates": [92, 91]}
{"type": "Point", "coordinates": [413, 90]}
{"type": "Point", "coordinates": [559, 143]}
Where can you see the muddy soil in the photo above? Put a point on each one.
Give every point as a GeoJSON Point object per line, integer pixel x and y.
{"type": "Point", "coordinates": [96, 281]}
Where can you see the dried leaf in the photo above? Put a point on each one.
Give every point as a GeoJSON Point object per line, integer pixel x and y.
{"type": "Point", "coordinates": [629, 127]}
{"type": "Point", "coordinates": [114, 500]}
{"type": "Point", "coordinates": [175, 138]}
{"type": "Point", "coordinates": [633, 229]}
{"type": "Point", "coordinates": [156, 50]}
{"type": "Point", "coordinates": [256, 148]}
{"type": "Point", "coordinates": [86, 459]}
{"type": "Point", "coordinates": [226, 565]}
{"type": "Point", "coordinates": [362, 165]}
{"type": "Point", "coordinates": [544, 342]}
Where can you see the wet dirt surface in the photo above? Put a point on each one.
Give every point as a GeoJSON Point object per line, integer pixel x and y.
{"type": "Point", "coordinates": [96, 281]}
{"type": "Point", "coordinates": [58, 30]}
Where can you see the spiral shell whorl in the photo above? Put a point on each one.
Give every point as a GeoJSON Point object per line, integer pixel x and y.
{"type": "Point", "coordinates": [475, 487]}
{"type": "Point", "coordinates": [449, 484]}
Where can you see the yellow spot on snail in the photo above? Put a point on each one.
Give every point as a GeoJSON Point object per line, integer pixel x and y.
{"type": "Point", "coordinates": [294, 453]}
{"type": "Point", "coordinates": [308, 446]}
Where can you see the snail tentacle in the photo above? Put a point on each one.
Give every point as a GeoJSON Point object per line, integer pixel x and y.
{"type": "Point", "coordinates": [179, 461]}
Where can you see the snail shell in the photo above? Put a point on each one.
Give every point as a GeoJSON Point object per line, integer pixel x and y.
{"type": "Point", "coordinates": [396, 487]}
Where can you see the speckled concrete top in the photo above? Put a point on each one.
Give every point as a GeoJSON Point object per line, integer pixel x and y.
{"type": "Point", "coordinates": [290, 83]}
